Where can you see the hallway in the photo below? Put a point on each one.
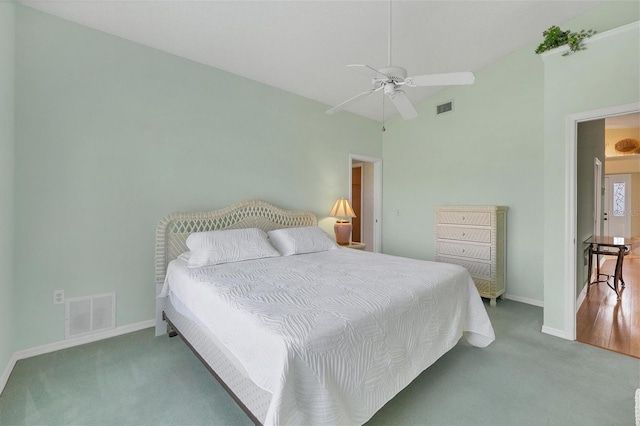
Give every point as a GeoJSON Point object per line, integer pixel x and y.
{"type": "Point", "coordinates": [610, 324]}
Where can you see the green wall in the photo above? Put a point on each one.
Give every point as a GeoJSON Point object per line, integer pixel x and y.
{"type": "Point", "coordinates": [7, 75]}
{"type": "Point", "coordinates": [111, 136]}
{"type": "Point", "coordinates": [494, 149]}
{"type": "Point", "coordinates": [604, 75]}
{"type": "Point", "coordinates": [488, 151]}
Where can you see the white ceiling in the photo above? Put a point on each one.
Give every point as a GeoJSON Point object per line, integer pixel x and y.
{"type": "Point", "coordinates": [304, 46]}
{"type": "Point", "coordinates": [626, 121]}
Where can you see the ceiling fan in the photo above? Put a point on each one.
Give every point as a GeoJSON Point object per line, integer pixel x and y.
{"type": "Point", "coordinates": [391, 79]}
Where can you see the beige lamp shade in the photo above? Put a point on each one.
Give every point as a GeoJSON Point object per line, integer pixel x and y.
{"type": "Point", "coordinates": [342, 210]}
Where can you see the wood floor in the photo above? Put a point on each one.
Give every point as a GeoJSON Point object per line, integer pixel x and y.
{"type": "Point", "coordinates": [604, 321]}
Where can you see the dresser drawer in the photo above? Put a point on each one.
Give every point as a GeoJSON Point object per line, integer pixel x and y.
{"type": "Point", "coordinates": [474, 237]}
{"type": "Point", "coordinates": [478, 269]}
{"type": "Point", "coordinates": [464, 218]}
{"type": "Point", "coordinates": [473, 251]}
{"type": "Point", "coordinates": [464, 234]}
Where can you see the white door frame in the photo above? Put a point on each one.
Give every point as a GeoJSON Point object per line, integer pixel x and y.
{"type": "Point", "coordinates": [377, 196]}
{"type": "Point", "coordinates": [571, 191]}
{"type": "Point", "coordinates": [597, 196]}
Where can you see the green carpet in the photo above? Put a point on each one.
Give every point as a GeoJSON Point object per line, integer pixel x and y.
{"type": "Point", "coordinates": [523, 378]}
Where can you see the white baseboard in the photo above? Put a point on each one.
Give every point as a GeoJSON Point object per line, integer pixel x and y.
{"type": "Point", "coordinates": [555, 332]}
{"type": "Point", "coordinates": [7, 372]}
{"type": "Point", "coordinates": [583, 292]}
{"type": "Point", "coordinates": [526, 300]}
{"type": "Point", "coordinates": [581, 297]}
{"type": "Point", "coordinates": [69, 343]}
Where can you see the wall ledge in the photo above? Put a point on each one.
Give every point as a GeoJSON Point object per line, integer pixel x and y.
{"type": "Point", "coordinates": [594, 38]}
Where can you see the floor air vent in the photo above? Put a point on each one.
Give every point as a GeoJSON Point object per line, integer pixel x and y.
{"type": "Point", "coordinates": [91, 314]}
{"type": "Point", "coordinates": [446, 107]}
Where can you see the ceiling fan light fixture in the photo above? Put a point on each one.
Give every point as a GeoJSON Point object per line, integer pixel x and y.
{"type": "Point", "coordinates": [390, 89]}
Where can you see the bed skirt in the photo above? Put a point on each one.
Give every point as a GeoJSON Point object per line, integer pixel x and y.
{"type": "Point", "coordinates": [252, 399]}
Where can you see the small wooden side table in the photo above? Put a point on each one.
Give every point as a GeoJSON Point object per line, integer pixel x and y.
{"type": "Point", "coordinates": [596, 244]}
{"type": "Point", "coordinates": [354, 245]}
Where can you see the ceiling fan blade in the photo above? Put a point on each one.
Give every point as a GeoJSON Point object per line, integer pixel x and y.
{"type": "Point", "coordinates": [449, 79]}
{"type": "Point", "coordinates": [403, 105]}
{"type": "Point", "coordinates": [348, 102]}
{"type": "Point", "coordinates": [368, 71]}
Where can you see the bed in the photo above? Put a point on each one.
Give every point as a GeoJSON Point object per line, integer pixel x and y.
{"type": "Point", "coordinates": [310, 333]}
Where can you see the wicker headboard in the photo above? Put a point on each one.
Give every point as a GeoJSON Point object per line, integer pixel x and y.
{"type": "Point", "coordinates": [173, 230]}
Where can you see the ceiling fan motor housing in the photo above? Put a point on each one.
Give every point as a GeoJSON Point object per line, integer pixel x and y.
{"type": "Point", "coordinates": [395, 74]}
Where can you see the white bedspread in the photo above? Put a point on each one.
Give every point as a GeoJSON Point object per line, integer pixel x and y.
{"type": "Point", "coordinates": [333, 335]}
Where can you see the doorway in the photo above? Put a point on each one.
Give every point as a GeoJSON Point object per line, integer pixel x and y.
{"type": "Point", "coordinates": [365, 195]}
{"type": "Point", "coordinates": [571, 238]}
{"type": "Point", "coordinates": [356, 202]}
{"type": "Point", "coordinates": [601, 319]}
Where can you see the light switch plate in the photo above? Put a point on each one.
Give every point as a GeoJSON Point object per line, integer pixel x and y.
{"type": "Point", "coordinates": [58, 297]}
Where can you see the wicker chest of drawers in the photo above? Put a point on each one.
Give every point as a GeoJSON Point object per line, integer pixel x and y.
{"type": "Point", "coordinates": [474, 237]}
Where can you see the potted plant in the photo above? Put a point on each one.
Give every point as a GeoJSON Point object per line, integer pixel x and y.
{"type": "Point", "coordinates": [555, 37]}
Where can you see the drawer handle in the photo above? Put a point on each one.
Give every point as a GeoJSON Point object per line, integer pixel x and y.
{"type": "Point", "coordinates": [463, 250]}
{"type": "Point", "coordinates": [463, 234]}
{"type": "Point", "coordinates": [462, 217]}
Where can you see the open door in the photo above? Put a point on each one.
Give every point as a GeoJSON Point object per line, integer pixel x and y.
{"type": "Point", "coordinates": [617, 205]}
{"type": "Point", "coordinates": [369, 197]}
{"type": "Point", "coordinates": [356, 202]}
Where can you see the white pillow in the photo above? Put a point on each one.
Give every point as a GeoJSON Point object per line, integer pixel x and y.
{"type": "Point", "coordinates": [309, 239]}
{"type": "Point", "coordinates": [229, 245]}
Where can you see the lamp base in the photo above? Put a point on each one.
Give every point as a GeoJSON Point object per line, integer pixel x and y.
{"type": "Point", "coordinates": [342, 228]}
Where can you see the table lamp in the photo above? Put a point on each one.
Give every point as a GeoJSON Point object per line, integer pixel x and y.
{"type": "Point", "coordinates": [342, 210]}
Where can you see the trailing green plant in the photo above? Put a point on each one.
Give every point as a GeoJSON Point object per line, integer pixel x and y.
{"type": "Point", "coordinates": [555, 37]}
